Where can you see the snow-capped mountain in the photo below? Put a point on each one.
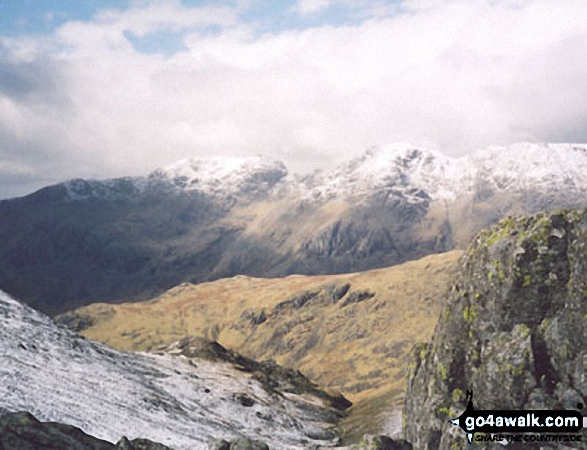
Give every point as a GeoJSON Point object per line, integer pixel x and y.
{"type": "Point", "coordinates": [399, 168]}
{"type": "Point", "coordinates": [182, 402]}
{"type": "Point", "coordinates": [223, 176]}
{"type": "Point", "coordinates": [216, 176]}
{"type": "Point", "coordinates": [199, 220]}
{"type": "Point", "coordinates": [405, 169]}
{"type": "Point", "coordinates": [544, 167]}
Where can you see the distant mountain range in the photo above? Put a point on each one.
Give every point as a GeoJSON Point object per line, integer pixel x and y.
{"type": "Point", "coordinates": [124, 239]}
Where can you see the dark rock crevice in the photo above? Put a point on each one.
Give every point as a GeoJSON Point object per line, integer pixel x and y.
{"type": "Point", "coordinates": [544, 372]}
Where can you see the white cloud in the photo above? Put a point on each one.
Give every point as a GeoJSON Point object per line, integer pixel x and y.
{"type": "Point", "coordinates": [456, 76]}
{"type": "Point", "coordinates": [305, 7]}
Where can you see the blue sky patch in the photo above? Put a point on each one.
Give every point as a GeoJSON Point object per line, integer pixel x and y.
{"type": "Point", "coordinates": [19, 17]}
{"type": "Point", "coordinates": [161, 41]}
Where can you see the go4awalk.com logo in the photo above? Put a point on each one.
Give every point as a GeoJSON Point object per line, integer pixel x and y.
{"type": "Point", "coordinates": [519, 426]}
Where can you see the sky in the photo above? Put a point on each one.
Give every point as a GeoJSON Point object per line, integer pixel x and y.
{"type": "Point", "coordinates": [104, 88]}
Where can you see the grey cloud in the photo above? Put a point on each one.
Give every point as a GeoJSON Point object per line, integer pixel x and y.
{"type": "Point", "coordinates": [37, 81]}
{"type": "Point", "coordinates": [19, 185]}
{"type": "Point", "coordinates": [27, 165]}
{"type": "Point", "coordinates": [33, 152]}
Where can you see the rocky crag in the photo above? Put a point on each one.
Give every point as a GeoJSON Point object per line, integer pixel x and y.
{"type": "Point", "coordinates": [128, 239]}
{"type": "Point", "coordinates": [514, 330]}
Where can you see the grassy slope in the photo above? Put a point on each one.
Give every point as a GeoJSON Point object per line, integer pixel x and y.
{"type": "Point", "coordinates": [358, 349]}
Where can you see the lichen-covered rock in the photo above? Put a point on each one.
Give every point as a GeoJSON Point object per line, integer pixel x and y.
{"type": "Point", "coordinates": [514, 329]}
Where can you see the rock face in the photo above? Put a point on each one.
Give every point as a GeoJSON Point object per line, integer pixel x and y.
{"type": "Point", "coordinates": [130, 239]}
{"type": "Point", "coordinates": [514, 330]}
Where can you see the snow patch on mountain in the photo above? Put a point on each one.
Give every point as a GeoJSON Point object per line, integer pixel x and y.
{"type": "Point", "coordinates": [59, 376]}
{"type": "Point", "coordinates": [398, 169]}
{"type": "Point", "coordinates": [112, 189]}
{"type": "Point", "coordinates": [525, 166]}
{"type": "Point", "coordinates": [223, 175]}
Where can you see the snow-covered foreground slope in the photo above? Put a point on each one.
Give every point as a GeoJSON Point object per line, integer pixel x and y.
{"type": "Point", "coordinates": [185, 404]}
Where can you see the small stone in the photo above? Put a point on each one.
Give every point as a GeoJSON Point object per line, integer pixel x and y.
{"type": "Point", "coordinates": [220, 444]}
{"type": "Point", "coordinates": [243, 443]}
{"type": "Point", "coordinates": [244, 399]}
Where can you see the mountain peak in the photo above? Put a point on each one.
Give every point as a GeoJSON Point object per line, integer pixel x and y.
{"type": "Point", "coordinates": [527, 165]}
{"type": "Point", "coordinates": [399, 169]}
{"type": "Point", "coordinates": [223, 175]}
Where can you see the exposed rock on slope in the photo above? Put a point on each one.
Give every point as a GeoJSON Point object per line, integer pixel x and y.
{"type": "Point", "coordinates": [273, 377]}
{"type": "Point", "coordinates": [199, 220]}
{"type": "Point", "coordinates": [22, 431]}
{"type": "Point", "coordinates": [514, 329]}
{"type": "Point", "coordinates": [182, 402]}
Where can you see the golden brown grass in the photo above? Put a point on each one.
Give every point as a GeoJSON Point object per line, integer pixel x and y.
{"type": "Point", "coordinates": [359, 349]}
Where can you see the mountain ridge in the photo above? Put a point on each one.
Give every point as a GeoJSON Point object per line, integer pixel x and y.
{"type": "Point", "coordinates": [442, 177]}
{"type": "Point", "coordinates": [349, 332]}
{"type": "Point", "coordinates": [130, 239]}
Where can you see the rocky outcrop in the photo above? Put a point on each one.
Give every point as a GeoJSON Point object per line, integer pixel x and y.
{"type": "Point", "coordinates": [272, 376]}
{"type": "Point", "coordinates": [514, 330]}
{"type": "Point", "coordinates": [22, 431]}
